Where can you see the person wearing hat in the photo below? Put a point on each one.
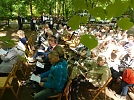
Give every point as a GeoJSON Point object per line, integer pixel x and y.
{"type": "Point", "coordinates": [95, 77]}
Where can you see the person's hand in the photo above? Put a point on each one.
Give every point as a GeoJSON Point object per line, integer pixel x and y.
{"type": "Point", "coordinates": [38, 75]}
{"type": "Point", "coordinates": [5, 54]}
{"type": "Point", "coordinates": [87, 78]}
{"type": "Point", "coordinates": [41, 84]}
{"type": "Point", "coordinates": [81, 66]}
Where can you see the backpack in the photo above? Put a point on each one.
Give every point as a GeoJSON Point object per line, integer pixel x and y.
{"type": "Point", "coordinates": [128, 76]}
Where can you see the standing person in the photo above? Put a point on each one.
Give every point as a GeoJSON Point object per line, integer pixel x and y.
{"type": "Point", "coordinates": [33, 22]}
{"type": "Point", "coordinates": [54, 80]}
{"type": "Point", "coordinates": [43, 18]}
{"type": "Point", "coordinates": [51, 22]}
{"type": "Point", "coordinates": [20, 22]}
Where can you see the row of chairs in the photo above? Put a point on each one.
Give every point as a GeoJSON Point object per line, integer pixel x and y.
{"type": "Point", "coordinates": [6, 82]}
{"type": "Point", "coordinates": [94, 93]}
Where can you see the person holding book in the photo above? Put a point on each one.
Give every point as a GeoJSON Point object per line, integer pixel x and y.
{"type": "Point", "coordinates": [54, 80]}
{"type": "Point", "coordinates": [10, 58]}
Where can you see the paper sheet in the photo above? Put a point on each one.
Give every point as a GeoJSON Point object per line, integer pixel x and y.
{"type": "Point", "coordinates": [39, 50]}
{"type": "Point", "coordinates": [35, 78]}
{"type": "Point", "coordinates": [39, 64]}
{"type": "Point", "coordinates": [2, 52]}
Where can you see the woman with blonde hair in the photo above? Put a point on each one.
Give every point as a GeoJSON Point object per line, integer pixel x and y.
{"type": "Point", "coordinates": [22, 37]}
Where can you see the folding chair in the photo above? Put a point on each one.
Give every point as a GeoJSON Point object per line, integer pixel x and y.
{"type": "Point", "coordinates": [30, 45]}
{"type": "Point", "coordinates": [21, 68]}
{"type": "Point", "coordinates": [99, 90]}
{"type": "Point", "coordinates": [6, 82]}
{"type": "Point", "coordinates": [65, 92]}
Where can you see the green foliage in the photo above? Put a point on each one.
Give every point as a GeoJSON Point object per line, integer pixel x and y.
{"type": "Point", "coordinates": [23, 58]}
{"type": "Point", "coordinates": [100, 12]}
{"type": "Point", "coordinates": [125, 23]}
{"type": "Point", "coordinates": [103, 1]}
{"type": "Point", "coordinates": [7, 41]}
{"type": "Point", "coordinates": [89, 41]}
{"type": "Point", "coordinates": [116, 9]}
{"type": "Point", "coordinates": [80, 4]}
{"type": "Point", "coordinates": [103, 9]}
{"type": "Point", "coordinates": [76, 21]}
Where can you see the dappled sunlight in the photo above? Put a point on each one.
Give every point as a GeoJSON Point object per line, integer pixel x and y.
{"type": "Point", "coordinates": [0, 46]}
{"type": "Point", "coordinates": [3, 28]}
{"type": "Point", "coordinates": [15, 39]}
{"type": "Point", "coordinates": [14, 34]}
{"type": "Point", "coordinates": [3, 33]}
{"type": "Point", "coordinates": [1, 42]}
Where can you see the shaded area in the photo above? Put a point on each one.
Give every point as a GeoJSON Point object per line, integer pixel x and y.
{"type": "Point", "coordinates": [25, 92]}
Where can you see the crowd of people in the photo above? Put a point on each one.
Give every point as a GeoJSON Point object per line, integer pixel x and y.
{"type": "Point", "coordinates": [12, 56]}
{"type": "Point", "coordinates": [35, 22]}
{"type": "Point", "coordinates": [112, 57]}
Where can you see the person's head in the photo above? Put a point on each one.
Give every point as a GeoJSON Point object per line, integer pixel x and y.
{"type": "Point", "coordinates": [130, 33]}
{"type": "Point", "coordinates": [94, 53]}
{"type": "Point", "coordinates": [21, 33]}
{"type": "Point", "coordinates": [52, 41]}
{"type": "Point", "coordinates": [60, 51]}
{"type": "Point", "coordinates": [49, 33]}
{"type": "Point", "coordinates": [101, 60]}
{"type": "Point", "coordinates": [53, 57]}
{"type": "Point", "coordinates": [46, 26]}
{"type": "Point", "coordinates": [130, 51]}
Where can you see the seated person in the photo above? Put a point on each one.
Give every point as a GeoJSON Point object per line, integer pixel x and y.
{"type": "Point", "coordinates": [22, 36]}
{"type": "Point", "coordinates": [45, 34]}
{"type": "Point", "coordinates": [84, 65]}
{"type": "Point", "coordinates": [10, 58]}
{"type": "Point", "coordinates": [52, 43]}
{"type": "Point", "coordinates": [54, 80]}
{"type": "Point", "coordinates": [127, 81]}
{"type": "Point", "coordinates": [46, 62]}
{"type": "Point", "coordinates": [125, 62]}
{"type": "Point", "coordinates": [96, 76]}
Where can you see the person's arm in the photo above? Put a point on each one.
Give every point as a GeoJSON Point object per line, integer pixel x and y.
{"type": "Point", "coordinates": [4, 58]}
{"type": "Point", "coordinates": [44, 74]}
{"type": "Point", "coordinates": [11, 55]}
{"type": "Point", "coordinates": [106, 73]}
{"type": "Point", "coordinates": [55, 79]}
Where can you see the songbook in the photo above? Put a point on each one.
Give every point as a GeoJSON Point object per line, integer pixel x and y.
{"type": "Point", "coordinates": [2, 52]}
{"type": "Point", "coordinates": [39, 64]}
{"type": "Point", "coordinates": [40, 50]}
{"type": "Point", "coordinates": [35, 78]}
{"type": "Point", "coordinates": [39, 58]}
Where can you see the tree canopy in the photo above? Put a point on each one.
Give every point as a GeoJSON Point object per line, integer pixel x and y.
{"type": "Point", "coordinates": [70, 9]}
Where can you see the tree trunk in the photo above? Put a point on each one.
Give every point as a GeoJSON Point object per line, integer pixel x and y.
{"type": "Point", "coordinates": [30, 4]}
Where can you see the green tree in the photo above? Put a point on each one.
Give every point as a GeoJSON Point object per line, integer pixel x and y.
{"type": "Point", "coordinates": [104, 9]}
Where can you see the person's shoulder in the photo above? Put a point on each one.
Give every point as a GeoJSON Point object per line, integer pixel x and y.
{"type": "Point", "coordinates": [105, 66]}
{"type": "Point", "coordinates": [63, 61]}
